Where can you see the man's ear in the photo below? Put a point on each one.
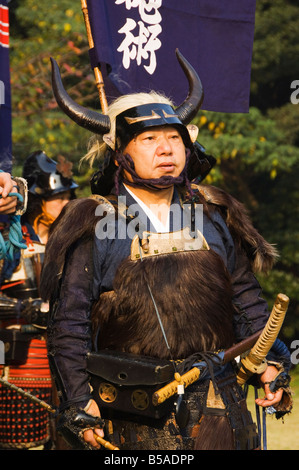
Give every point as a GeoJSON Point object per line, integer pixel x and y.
{"type": "Point", "coordinates": [193, 132]}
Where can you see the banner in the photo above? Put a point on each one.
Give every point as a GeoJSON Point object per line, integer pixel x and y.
{"type": "Point", "coordinates": [5, 99]}
{"type": "Point", "coordinates": [135, 42]}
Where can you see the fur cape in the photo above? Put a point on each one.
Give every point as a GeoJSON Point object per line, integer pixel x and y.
{"type": "Point", "coordinates": [192, 293]}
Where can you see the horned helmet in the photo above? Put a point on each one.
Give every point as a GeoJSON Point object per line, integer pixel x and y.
{"type": "Point", "coordinates": [137, 119]}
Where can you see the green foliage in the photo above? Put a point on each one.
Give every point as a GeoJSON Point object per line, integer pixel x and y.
{"type": "Point", "coordinates": [41, 33]}
{"type": "Point", "coordinates": [254, 138]}
{"type": "Point", "coordinates": [276, 40]}
{"type": "Point", "coordinates": [275, 50]}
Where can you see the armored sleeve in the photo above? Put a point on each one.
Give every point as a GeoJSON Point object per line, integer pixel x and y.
{"type": "Point", "coordinates": [69, 329]}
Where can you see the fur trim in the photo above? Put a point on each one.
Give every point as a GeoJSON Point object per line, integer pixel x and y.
{"type": "Point", "coordinates": [192, 292]}
{"type": "Point", "coordinates": [262, 254]}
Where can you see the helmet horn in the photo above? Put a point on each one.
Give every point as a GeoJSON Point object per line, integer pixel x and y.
{"type": "Point", "coordinates": [188, 109]}
{"type": "Point", "coordinates": [100, 123]}
{"type": "Point", "coordinates": [91, 120]}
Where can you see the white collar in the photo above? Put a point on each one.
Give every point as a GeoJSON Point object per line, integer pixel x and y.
{"type": "Point", "coordinates": [159, 226]}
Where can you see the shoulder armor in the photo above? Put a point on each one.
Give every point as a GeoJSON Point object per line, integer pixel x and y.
{"type": "Point", "coordinates": [109, 204]}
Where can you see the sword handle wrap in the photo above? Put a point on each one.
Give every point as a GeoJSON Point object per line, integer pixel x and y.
{"type": "Point", "coordinates": [272, 328]}
{"type": "Point", "coordinates": [254, 362]}
{"type": "Point", "coordinates": [171, 389]}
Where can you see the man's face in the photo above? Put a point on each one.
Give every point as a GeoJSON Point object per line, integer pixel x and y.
{"type": "Point", "coordinates": [157, 152]}
{"type": "Point", "coordinates": [56, 203]}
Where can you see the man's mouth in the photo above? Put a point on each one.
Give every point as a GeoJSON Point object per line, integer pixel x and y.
{"type": "Point", "coordinates": [167, 166]}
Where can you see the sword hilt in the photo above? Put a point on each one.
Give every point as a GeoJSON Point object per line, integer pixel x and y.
{"type": "Point", "coordinates": [171, 389]}
{"type": "Point", "coordinates": [254, 362]}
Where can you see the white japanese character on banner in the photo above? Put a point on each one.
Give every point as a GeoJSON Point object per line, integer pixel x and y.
{"type": "Point", "coordinates": [145, 7]}
{"type": "Point", "coordinates": [142, 46]}
{"type": "Point", "coordinates": [145, 43]}
{"type": "Point", "coordinates": [129, 3]}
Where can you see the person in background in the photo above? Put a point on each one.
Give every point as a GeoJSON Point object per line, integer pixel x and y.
{"type": "Point", "coordinates": [23, 315]}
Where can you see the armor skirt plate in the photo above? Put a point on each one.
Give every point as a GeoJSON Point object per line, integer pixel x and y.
{"type": "Point", "coordinates": [24, 424]}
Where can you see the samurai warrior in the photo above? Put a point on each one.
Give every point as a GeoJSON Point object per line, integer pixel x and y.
{"type": "Point", "coordinates": [23, 314]}
{"type": "Point", "coordinates": [158, 275]}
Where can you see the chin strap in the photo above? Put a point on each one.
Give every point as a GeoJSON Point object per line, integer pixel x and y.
{"type": "Point", "coordinates": [126, 163]}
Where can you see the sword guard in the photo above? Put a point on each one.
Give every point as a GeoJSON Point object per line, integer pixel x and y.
{"type": "Point", "coordinates": [249, 367]}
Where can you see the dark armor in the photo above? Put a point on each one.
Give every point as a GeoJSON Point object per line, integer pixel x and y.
{"type": "Point", "coordinates": [23, 317]}
{"type": "Point", "coordinates": [115, 328]}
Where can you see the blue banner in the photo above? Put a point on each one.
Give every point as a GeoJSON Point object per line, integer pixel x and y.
{"type": "Point", "coordinates": [5, 98]}
{"type": "Point", "coordinates": [135, 42]}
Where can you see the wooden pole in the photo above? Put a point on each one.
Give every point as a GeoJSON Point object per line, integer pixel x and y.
{"type": "Point", "coordinates": [97, 72]}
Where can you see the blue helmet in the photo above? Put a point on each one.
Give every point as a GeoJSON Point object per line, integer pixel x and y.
{"type": "Point", "coordinates": [45, 177]}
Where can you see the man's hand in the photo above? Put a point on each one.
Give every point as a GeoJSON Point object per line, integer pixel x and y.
{"type": "Point", "coordinates": [270, 398]}
{"type": "Point", "coordinates": [7, 185]}
{"type": "Point", "coordinates": [88, 435]}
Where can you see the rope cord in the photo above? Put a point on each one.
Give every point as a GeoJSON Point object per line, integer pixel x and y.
{"type": "Point", "coordinates": [158, 315]}
{"type": "Point", "coordinates": [15, 237]}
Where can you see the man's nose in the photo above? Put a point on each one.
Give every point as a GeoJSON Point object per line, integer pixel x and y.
{"type": "Point", "coordinates": [164, 146]}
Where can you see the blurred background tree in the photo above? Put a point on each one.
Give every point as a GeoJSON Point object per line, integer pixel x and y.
{"type": "Point", "coordinates": [40, 31]}
{"type": "Point", "coordinates": [257, 153]}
